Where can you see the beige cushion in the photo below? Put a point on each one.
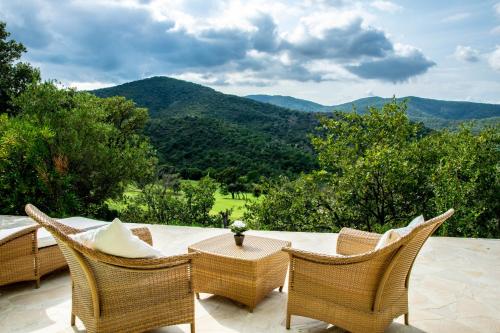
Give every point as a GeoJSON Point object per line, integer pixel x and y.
{"type": "Point", "coordinates": [116, 239]}
{"type": "Point", "coordinates": [390, 236]}
{"type": "Point", "coordinates": [45, 238]}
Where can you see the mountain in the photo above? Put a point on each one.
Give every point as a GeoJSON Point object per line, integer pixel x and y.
{"type": "Point", "coordinates": [433, 113]}
{"type": "Point", "coordinates": [196, 129]}
{"type": "Point", "coordinates": [290, 103]}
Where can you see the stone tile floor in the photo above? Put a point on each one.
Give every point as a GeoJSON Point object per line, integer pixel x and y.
{"type": "Point", "coordinates": [454, 288]}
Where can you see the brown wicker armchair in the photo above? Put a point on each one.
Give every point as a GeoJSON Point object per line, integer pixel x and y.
{"type": "Point", "coordinates": [115, 294]}
{"type": "Point", "coordinates": [362, 290]}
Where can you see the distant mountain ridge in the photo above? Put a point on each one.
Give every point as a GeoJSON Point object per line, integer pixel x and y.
{"type": "Point", "coordinates": [291, 103]}
{"type": "Point", "coordinates": [433, 113]}
{"type": "Point", "coordinates": [197, 129]}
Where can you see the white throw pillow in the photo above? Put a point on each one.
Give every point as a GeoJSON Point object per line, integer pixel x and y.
{"type": "Point", "coordinates": [390, 236]}
{"type": "Point", "coordinates": [116, 239]}
{"type": "Point", "coordinates": [406, 230]}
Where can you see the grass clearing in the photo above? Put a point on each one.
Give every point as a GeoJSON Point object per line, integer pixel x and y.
{"type": "Point", "coordinates": [223, 202]}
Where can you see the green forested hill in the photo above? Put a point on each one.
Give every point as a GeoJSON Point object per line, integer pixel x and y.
{"type": "Point", "coordinates": [195, 127]}
{"type": "Point", "coordinates": [433, 113]}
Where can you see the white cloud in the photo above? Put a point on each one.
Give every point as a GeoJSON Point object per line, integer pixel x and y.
{"type": "Point", "coordinates": [497, 8]}
{"type": "Point", "coordinates": [386, 6]}
{"type": "Point", "coordinates": [466, 53]}
{"type": "Point", "coordinates": [494, 59]}
{"type": "Point", "coordinates": [495, 30]}
{"type": "Point", "coordinates": [455, 17]}
{"type": "Point", "coordinates": [90, 85]}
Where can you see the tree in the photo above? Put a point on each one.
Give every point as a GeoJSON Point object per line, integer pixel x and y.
{"type": "Point", "coordinates": [466, 177]}
{"type": "Point", "coordinates": [199, 199]}
{"type": "Point", "coordinates": [69, 151]}
{"type": "Point", "coordinates": [15, 76]}
{"type": "Point", "coordinates": [366, 158]}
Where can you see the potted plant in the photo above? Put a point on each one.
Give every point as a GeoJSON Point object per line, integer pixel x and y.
{"type": "Point", "coordinates": [238, 228]}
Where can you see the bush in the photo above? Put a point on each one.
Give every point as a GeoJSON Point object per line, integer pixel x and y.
{"type": "Point", "coordinates": [160, 203]}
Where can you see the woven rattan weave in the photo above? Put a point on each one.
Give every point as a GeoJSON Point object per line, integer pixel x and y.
{"type": "Point", "coordinates": [245, 273]}
{"type": "Point", "coordinates": [115, 294]}
{"type": "Point", "coordinates": [362, 290]}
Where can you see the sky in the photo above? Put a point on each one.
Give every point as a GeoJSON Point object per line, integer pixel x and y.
{"type": "Point", "coordinates": [326, 51]}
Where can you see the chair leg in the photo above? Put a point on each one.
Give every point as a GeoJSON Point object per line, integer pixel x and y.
{"type": "Point", "coordinates": [288, 320]}
{"type": "Point", "coordinates": [407, 319]}
{"type": "Point", "coordinates": [72, 319]}
{"type": "Point", "coordinates": [192, 327]}
{"type": "Point", "coordinates": [37, 283]}
{"type": "Point", "coordinates": [197, 295]}
{"type": "Point", "coordinates": [281, 289]}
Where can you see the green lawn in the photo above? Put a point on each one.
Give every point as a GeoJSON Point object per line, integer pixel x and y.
{"type": "Point", "coordinates": [223, 202]}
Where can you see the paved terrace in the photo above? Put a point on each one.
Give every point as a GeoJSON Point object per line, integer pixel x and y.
{"type": "Point", "coordinates": [455, 287]}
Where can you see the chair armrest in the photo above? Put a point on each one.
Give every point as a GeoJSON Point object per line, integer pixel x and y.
{"type": "Point", "coordinates": [6, 237]}
{"type": "Point", "coordinates": [328, 259]}
{"type": "Point", "coordinates": [145, 264]}
{"type": "Point", "coordinates": [154, 263]}
{"type": "Point", "coordinates": [143, 233]}
{"type": "Point", "coordinates": [352, 241]}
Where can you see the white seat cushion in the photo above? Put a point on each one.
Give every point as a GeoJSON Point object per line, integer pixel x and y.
{"type": "Point", "coordinates": [45, 238]}
{"type": "Point", "coordinates": [4, 233]}
{"type": "Point", "coordinates": [116, 239]}
{"type": "Point", "coordinates": [81, 223]}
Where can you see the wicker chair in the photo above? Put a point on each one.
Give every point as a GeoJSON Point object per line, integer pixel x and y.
{"type": "Point", "coordinates": [360, 290]}
{"type": "Point", "coordinates": [116, 294]}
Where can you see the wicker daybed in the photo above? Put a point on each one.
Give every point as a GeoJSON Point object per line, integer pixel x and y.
{"type": "Point", "coordinates": [361, 289]}
{"type": "Point", "coordinates": [28, 252]}
{"type": "Point", "coordinates": [116, 294]}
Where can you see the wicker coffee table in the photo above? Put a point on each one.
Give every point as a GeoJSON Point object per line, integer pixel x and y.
{"type": "Point", "coordinates": [245, 273]}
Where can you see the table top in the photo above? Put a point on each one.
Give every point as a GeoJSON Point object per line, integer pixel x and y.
{"type": "Point", "coordinates": [254, 247]}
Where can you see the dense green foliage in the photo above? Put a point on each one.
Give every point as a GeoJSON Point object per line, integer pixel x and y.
{"type": "Point", "coordinates": [67, 151]}
{"type": "Point", "coordinates": [197, 130]}
{"type": "Point", "coordinates": [161, 202]}
{"type": "Point", "coordinates": [15, 76]}
{"type": "Point", "coordinates": [378, 172]}
{"type": "Point", "coordinates": [435, 114]}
